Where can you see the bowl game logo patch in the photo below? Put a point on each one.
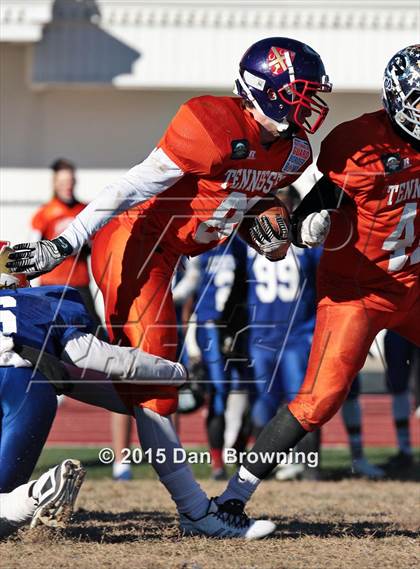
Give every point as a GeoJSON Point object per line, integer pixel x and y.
{"type": "Point", "coordinates": [240, 149]}
{"type": "Point", "coordinates": [300, 153]}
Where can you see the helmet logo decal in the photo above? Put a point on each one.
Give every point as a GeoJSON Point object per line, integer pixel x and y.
{"type": "Point", "coordinates": [279, 60]}
{"type": "Point", "coordinates": [254, 81]}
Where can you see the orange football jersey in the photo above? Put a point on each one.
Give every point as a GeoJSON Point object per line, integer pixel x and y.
{"type": "Point", "coordinates": [372, 251]}
{"type": "Point", "coordinates": [216, 143]}
{"type": "Point", "coordinates": [51, 220]}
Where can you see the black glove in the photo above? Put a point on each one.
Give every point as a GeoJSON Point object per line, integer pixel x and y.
{"type": "Point", "coordinates": [272, 243]}
{"type": "Point", "coordinates": [38, 257]}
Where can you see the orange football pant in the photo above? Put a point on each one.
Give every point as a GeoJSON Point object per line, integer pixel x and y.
{"type": "Point", "coordinates": [134, 276]}
{"type": "Point", "coordinates": [344, 332]}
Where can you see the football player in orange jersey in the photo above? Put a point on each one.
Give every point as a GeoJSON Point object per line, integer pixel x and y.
{"type": "Point", "coordinates": [51, 219]}
{"type": "Point", "coordinates": [218, 157]}
{"type": "Point", "coordinates": [368, 277]}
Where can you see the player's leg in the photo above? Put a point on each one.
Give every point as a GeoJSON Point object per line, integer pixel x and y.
{"type": "Point", "coordinates": [121, 437]}
{"type": "Point", "coordinates": [237, 419]}
{"type": "Point", "coordinates": [135, 281]}
{"type": "Point", "coordinates": [343, 335]}
{"type": "Point", "coordinates": [198, 515]}
{"type": "Point", "coordinates": [406, 324]}
{"type": "Point", "coordinates": [214, 362]}
{"type": "Point", "coordinates": [267, 385]}
{"type": "Point", "coordinates": [134, 276]}
{"type": "Point", "coordinates": [398, 356]}
{"type": "Point", "coordinates": [292, 368]}
{"type": "Point", "coordinates": [352, 417]}
{"type": "Point", "coordinates": [28, 407]}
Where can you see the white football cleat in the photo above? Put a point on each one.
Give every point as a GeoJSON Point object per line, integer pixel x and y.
{"type": "Point", "coordinates": [56, 492]}
{"type": "Point", "coordinates": [226, 520]}
{"type": "Point", "coordinates": [363, 467]}
{"type": "Point", "coordinates": [289, 471]}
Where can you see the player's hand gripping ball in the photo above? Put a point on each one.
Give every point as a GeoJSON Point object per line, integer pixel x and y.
{"type": "Point", "coordinates": [267, 228]}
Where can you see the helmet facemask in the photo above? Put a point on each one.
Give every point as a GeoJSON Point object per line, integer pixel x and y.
{"type": "Point", "coordinates": [305, 104]}
{"type": "Point", "coordinates": [408, 118]}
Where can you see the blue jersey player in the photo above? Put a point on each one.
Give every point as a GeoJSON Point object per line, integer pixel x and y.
{"type": "Point", "coordinates": [400, 358]}
{"type": "Point", "coordinates": [41, 328]}
{"type": "Point", "coordinates": [282, 303]}
{"type": "Point", "coordinates": [217, 308]}
{"type": "Point", "coordinates": [38, 328]}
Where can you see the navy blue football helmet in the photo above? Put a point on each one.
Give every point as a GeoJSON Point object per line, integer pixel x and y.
{"type": "Point", "coordinates": [401, 93]}
{"type": "Point", "coordinates": [280, 77]}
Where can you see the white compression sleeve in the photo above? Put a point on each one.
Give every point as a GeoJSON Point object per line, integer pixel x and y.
{"type": "Point", "coordinates": [158, 436]}
{"type": "Point", "coordinates": [157, 432]}
{"type": "Point", "coordinates": [128, 364]}
{"type": "Point", "coordinates": [151, 177]}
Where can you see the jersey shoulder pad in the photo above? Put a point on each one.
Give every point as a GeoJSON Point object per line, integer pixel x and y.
{"type": "Point", "coordinates": [220, 116]}
{"type": "Point", "coordinates": [223, 118]}
{"type": "Point", "coordinates": [188, 142]}
{"type": "Point", "coordinates": [351, 150]}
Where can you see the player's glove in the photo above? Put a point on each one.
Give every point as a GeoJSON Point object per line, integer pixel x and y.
{"type": "Point", "coordinates": [273, 243]}
{"type": "Point", "coordinates": [315, 228]}
{"type": "Point", "coordinates": [38, 257]}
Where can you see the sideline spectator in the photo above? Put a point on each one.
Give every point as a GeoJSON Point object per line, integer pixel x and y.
{"type": "Point", "coordinates": [51, 219]}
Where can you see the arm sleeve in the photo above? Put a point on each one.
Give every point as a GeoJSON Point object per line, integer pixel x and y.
{"type": "Point", "coordinates": [151, 177]}
{"type": "Point", "coordinates": [325, 194]}
{"type": "Point", "coordinates": [128, 364]}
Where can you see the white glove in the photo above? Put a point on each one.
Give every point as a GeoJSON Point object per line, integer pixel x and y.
{"type": "Point", "coordinates": [38, 257]}
{"type": "Point", "coordinates": [315, 228]}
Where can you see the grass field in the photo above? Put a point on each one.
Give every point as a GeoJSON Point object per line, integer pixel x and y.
{"type": "Point", "coordinates": [336, 523]}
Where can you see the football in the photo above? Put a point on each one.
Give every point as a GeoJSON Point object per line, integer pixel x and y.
{"type": "Point", "coordinates": [277, 214]}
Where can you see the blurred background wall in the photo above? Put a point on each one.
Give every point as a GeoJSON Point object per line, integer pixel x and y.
{"type": "Point", "coordinates": [98, 81]}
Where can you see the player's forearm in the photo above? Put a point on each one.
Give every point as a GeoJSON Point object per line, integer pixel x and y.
{"type": "Point", "coordinates": [151, 177]}
{"type": "Point", "coordinates": [127, 364]}
{"type": "Point", "coordinates": [323, 197]}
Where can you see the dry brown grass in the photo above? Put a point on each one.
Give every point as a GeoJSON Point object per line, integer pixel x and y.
{"type": "Point", "coordinates": [332, 525]}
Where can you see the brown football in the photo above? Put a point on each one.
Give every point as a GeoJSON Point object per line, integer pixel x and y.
{"type": "Point", "coordinates": [271, 207]}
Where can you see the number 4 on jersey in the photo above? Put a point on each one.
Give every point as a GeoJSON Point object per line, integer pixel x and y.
{"type": "Point", "coordinates": [398, 244]}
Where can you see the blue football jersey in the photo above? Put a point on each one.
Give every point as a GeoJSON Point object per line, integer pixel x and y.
{"type": "Point", "coordinates": [43, 317]}
{"type": "Point", "coordinates": [217, 268]}
{"type": "Point", "coordinates": [282, 295]}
